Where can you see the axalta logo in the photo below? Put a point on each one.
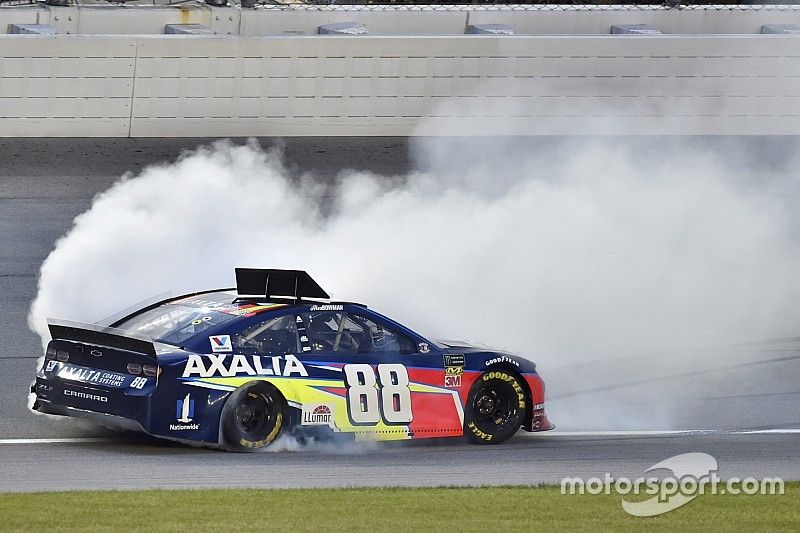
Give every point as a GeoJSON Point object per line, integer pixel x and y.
{"type": "Point", "coordinates": [206, 366]}
{"type": "Point", "coordinates": [326, 307]}
{"type": "Point", "coordinates": [319, 415]}
{"type": "Point", "coordinates": [86, 396]}
{"type": "Point", "coordinates": [100, 377]}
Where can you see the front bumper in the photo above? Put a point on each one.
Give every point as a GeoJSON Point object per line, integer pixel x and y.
{"type": "Point", "coordinates": [538, 420]}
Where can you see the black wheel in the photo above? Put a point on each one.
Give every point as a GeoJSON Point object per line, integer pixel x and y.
{"type": "Point", "coordinates": [495, 407]}
{"type": "Point", "coordinates": [253, 417]}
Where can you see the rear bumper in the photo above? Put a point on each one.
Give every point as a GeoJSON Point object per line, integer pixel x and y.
{"type": "Point", "coordinates": [161, 406]}
{"type": "Point", "coordinates": [71, 390]}
{"type": "Point", "coordinates": [115, 422]}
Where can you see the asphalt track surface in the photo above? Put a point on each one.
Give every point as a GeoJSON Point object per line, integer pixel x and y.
{"type": "Point", "coordinates": [526, 459]}
{"type": "Point", "coordinates": [45, 183]}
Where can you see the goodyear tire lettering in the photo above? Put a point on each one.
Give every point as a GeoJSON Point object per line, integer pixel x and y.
{"type": "Point", "coordinates": [504, 424]}
{"type": "Point", "coordinates": [478, 433]}
{"type": "Point", "coordinates": [497, 375]}
{"type": "Point", "coordinates": [508, 379]}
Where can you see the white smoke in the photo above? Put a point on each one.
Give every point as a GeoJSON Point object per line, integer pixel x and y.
{"type": "Point", "coordinates": [558, 254]}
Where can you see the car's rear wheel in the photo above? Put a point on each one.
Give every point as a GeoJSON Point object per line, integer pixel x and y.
{"type": "Point", "coordinates": [253, 417]}
{"type": "Point", "coordinates": [496, 407]}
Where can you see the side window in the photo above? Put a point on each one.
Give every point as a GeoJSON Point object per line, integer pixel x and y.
{"type": "Point", "coordinates": [334, 332]}
{"type": "Point", "coordinates": [385, 339]}
{"type": "Point", "coordinates": [352, 333]}
{"type": "Point", "coordinates": [275, 336]}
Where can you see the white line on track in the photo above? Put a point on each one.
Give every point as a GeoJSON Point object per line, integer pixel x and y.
{"type": "Point", "coordinates": [54, 441]}
{"type": "Point", "coordinates": [634, 433]}
{"type": "Point", "coordinates": [658, 433]}
{"type": "Point", "coordinates": [767, 431]}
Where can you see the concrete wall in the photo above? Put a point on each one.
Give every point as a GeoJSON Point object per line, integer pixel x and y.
{"type": "Point", "coordinates": [147, 85]}
{"type": "Point", "coordinates": [66, 86]}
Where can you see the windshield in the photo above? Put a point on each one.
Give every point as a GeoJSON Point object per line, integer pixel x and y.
{"type": "Point", "coordinates": [176, 322]}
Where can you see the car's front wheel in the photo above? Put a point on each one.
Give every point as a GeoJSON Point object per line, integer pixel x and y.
{"type": "Point", "coordinates": [496, 407]}
{"type": "Point", "coordinates": [253, 417]}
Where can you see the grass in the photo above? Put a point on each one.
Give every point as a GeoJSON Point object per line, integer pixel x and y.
{"type": "Point", "coordinates": [435, 509]}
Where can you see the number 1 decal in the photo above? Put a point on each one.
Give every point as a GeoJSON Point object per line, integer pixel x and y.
{"type": "Point", "coordinates": [370, 399]}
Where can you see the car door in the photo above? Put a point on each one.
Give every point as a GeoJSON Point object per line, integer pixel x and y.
{"type": "Point", "coordinates": [381, 384]}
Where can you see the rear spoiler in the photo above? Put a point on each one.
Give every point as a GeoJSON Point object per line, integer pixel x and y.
{"type": "Point", "coordinates": [101, 336]}
{"type": "Point", "coordinates": [267, 282]}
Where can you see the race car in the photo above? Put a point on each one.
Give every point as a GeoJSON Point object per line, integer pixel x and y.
{"type": "Point", "coordinates": [237, 368]}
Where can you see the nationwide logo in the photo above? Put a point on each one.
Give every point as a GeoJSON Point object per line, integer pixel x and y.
{"type": "Point", "coordinates": [319, 415]}
{"type": "Point", "coordinates": [184, 413]}
{"type": "Point", "coordinates": [184, 409]}
{"type": "Point", "coordinates": [182, 427]}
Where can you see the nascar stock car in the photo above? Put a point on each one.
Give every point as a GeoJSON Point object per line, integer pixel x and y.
{"type": "Point", "coordinates": [236, 368]}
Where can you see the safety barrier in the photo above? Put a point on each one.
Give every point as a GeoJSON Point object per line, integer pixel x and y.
{"type": "Point", "coordinates": [216, 85]}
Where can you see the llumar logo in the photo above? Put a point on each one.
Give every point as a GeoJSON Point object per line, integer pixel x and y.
{"type": "Point", "coordinates": [320, 415]}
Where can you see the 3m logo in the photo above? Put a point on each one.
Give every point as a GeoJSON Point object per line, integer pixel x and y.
{"type": "Point", "coordinates": [452, 381]}
{"type": "Point", "coordinates": [221, 343]}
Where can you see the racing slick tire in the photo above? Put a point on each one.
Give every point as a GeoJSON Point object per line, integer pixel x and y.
{"type": "Point", "coordinates": [253, 417]}
{"type": "Point", "coordinates": [496, 407]}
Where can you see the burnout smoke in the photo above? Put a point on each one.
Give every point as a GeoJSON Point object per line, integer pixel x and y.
{"type": "Point", "coordinates": [570, 254]}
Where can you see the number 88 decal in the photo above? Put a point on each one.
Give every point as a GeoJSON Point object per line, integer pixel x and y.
{"type": "Point", "coordinates": [391, 400]}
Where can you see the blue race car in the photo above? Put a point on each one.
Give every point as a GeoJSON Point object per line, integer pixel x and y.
{"type": "Point", "coordinates": [236, 368]}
